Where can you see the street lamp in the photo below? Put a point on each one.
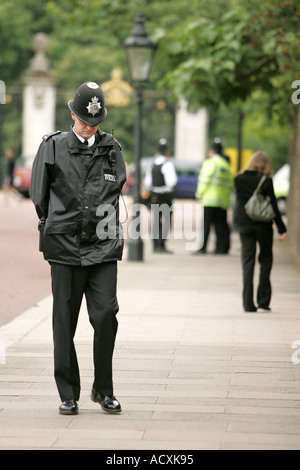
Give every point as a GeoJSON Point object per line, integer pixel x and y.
{"type": "Point", "coordinates": [139, 52]}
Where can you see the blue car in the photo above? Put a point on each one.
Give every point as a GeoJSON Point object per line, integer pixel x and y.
{"type": "Point", "coordinates": [187, 174]}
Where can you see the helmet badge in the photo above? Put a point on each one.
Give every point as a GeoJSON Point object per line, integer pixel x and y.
{"type": "Point", "coordinates": [94, 107]}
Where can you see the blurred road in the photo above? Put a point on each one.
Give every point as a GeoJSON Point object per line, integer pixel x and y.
{"type": "Point", "coordinates": [24, 275]}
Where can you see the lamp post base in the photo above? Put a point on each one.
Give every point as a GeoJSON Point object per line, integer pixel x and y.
{"type": "Point", "coordinates": [135, 250]}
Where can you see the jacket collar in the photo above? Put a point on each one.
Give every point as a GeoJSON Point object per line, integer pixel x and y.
{"type": "Point", "coordinates": [103, 139]}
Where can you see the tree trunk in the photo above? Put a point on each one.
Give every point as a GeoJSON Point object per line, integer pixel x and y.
{"type": "Point", "coordinates": [294, 197]}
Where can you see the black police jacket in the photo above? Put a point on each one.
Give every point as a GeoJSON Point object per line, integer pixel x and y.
{"type": "Point", "coordinates": [75, 190]}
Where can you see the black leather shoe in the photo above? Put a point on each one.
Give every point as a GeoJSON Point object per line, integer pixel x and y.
{"type": "Point", "coordinates": [108, 404]}
{"type": "Point", "coordinates": [68, 407]}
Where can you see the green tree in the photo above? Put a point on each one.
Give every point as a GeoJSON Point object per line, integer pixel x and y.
{"type": "Point", "coordinates": [19, 20]}
{"type": "Point", "coordinates": [254, 45]}
{"type": "Point", "coordinates": [244, 57]}
{"type": "Point", "coordinates": [212, 52]}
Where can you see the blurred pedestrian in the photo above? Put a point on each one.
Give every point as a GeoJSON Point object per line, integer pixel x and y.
{"type": "Point", "coordinates": [77, 177]}
{"type": "Point", "coordinates": [215, 185]}
{"type": "Point", "coordinates": [161, 179]}
{"type": "Point", "coordinates": [253, 233]}
{"type": "Point", "coordinates": [10, 168]}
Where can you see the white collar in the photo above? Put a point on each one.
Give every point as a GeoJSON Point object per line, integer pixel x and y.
{"type": "Point", "coordinates": [91, 140]}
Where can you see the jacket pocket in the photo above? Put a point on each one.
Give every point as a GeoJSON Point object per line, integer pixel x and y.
{"type": "Point", "coordinates": [53, 228]}
{"type": "Point", "coordinates": [60, 242]}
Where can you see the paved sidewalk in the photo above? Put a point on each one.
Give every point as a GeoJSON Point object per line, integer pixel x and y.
{"type": "Point", "coordinates": [191, 369]}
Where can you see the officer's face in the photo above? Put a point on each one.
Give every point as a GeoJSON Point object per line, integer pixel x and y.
{"type": "Point", "coordinates": [84, 130]}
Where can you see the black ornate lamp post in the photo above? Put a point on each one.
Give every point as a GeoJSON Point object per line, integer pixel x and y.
{"type": "Point", "coordinates": [139, 52]}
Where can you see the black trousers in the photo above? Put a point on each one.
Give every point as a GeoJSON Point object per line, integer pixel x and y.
{"type": "Point", "coordinates": [261, 234]}
{"type": "Point", "coordinates": [69, 284]}
{"type": "Point", "coordinates": [217, 217]}
{"type": "Point", "coordinates": [161, 208]}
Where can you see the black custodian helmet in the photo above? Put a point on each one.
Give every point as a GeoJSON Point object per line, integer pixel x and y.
{"type": "Point", "coordinates": [88, 104]}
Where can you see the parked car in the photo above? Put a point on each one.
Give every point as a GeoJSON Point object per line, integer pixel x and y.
{"type": "Point", "coordinates": [281, 182]}
{"type": "Point", "coordinates": [22, 176]}
{"type": "Point", "coordinates": [187, 174]}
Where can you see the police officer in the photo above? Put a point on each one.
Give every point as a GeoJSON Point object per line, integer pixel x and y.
{"type": "Point", "coordinates": [76, 181]}
{"type": "Point", "coordinates": [161, 179]}
{"type": "Point", "coordinates": [214, 189]}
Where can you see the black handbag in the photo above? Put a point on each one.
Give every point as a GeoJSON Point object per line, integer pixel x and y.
{"type": "Point", "coordinates": [259, 207]}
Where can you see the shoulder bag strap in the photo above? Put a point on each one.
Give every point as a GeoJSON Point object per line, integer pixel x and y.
{"type": "Point", "coordinates": [263, 179]}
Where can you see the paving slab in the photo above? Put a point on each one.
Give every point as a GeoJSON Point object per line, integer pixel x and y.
{"type": "Point", "coordinates": [192, 370]}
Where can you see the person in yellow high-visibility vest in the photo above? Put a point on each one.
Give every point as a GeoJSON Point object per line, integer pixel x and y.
{"type": "Point", "coordinates": [215, 185]}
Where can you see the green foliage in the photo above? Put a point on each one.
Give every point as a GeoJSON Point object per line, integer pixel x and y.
{"type": "Point", "coordinates": [226, 60]}
{"type": "Point", "coordinates": [228, 52]}
{"type": "Point", "coordinates": [258, 132]}
{"type": "Point", "coordinates": [19, 20]}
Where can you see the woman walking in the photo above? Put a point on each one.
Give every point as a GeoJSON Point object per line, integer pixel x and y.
{"type": "Point", "coordinates": [252, 232]}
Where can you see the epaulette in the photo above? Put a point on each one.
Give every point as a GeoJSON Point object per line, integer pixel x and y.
{"type": "Point", "coordinates": [120, 147]}
{"type": "Point", "coordinates": [47, 136]}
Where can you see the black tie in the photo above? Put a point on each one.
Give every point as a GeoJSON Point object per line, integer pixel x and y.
{"type": "Point", "coordinates": [86, 142]}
